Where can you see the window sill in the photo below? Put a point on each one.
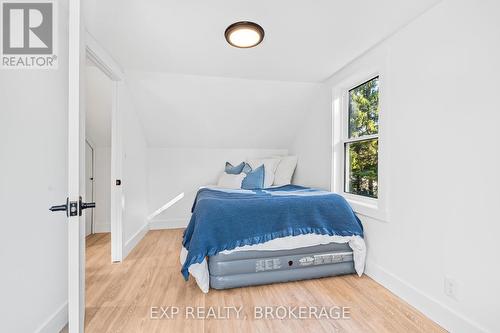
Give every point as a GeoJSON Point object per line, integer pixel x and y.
{"type": "Point", "coordinates": [366, 207]}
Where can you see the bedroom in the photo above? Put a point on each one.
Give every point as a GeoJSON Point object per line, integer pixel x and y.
{"type": "Point", "coordinates": [381, 115]}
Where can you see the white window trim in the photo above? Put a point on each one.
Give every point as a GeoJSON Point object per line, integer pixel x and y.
{"type": "Point", "coordinates": [375, 208]}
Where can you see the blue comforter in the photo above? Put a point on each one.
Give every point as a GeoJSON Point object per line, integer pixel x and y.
{"type": "Point", "coordinates": [226, 219]}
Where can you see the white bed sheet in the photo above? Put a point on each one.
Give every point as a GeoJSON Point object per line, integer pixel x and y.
{"type": "Point", "coordinates": [200, 271]}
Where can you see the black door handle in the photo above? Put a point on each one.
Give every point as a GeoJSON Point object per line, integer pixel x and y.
{"type": "Point", "coordinates": [70, 208]}
{"type": "Point", "coordinates": [59, 208]}
{"type": "Point", "coordinates": [85, 205]}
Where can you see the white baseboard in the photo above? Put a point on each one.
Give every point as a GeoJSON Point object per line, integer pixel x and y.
{"type": "Point", "coordinates": [448, 318]}
{"type": "Point", "coordinates": [168, 224]}
{"type": "Point", "coordinates": [100, 228]}
{"type": "Point", "coordinates": [56, 322]}
{"type": "Point", "coordinates": [134, 240]}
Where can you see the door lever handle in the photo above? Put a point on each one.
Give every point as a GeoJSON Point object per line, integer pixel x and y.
{"type": "Point", "coordinates": [59, 208]}
{"type": "Point", "coordinates": [70, 208]}
{"type": "Point", "coordinates": [85, 205]}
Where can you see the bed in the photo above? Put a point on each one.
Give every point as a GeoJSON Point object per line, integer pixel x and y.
{"type": "Point", "coordinates": [239, 238]}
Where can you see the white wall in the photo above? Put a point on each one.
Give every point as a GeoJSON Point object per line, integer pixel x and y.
{"type": "Point", "coordinates": [312, 143]}
{"type": "Point", "coordinates": [442, 87]}
{"type": "Point", "coordinates": [102, 189]}
{"type": "Point", "coordinates": [134, 177]}
{"type": "Point", "coordinates": [173, 171]}
{"type": "Point", "coordinates": [33, 177]}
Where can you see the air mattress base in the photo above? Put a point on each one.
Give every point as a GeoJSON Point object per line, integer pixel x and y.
{"type": "Point", "coordinates": [246, 268]}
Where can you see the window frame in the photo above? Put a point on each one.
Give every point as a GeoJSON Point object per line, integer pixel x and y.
{"type": "Point", "coordinates": [346, 140]}
{"type": "Point", "coordinates": [363, 205]}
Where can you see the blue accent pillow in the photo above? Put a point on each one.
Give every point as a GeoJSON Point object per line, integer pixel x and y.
{"type": "Point", "coordinates": [234, 170]}
{"type": "Point", "coordinates": [247, 168]}
{"type": "Point", "coordinates": [254, 179]}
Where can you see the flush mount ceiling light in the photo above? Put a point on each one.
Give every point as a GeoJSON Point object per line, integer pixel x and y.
{"type": "Point", "coordinates": [244, 34]}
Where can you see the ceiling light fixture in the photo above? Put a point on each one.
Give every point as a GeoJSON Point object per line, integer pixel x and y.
{"type": "Point", "coordinates": [244, 34]}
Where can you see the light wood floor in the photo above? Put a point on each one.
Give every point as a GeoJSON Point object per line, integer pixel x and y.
{"type": "Point", "coordinates": [119, 297]}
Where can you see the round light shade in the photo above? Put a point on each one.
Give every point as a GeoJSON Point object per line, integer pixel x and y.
{"type": "Point", "coordinates": [244, 34]}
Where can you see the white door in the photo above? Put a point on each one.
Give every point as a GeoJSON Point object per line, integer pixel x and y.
{"type": "Point", "coordinates": [76, 171]}
{"type": "Point", "coordinates": [89, 187]}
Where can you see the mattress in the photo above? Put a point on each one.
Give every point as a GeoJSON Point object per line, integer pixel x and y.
{"type": "Point", "coordinates": [200, 270]}
{"type": "Point", "coordinates": [255, 267]}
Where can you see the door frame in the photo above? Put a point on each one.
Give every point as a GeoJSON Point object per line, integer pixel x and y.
{"type": "Point", "coordinates": [92, 220]}
{"type": "Point", "coordinates": [98, 56]}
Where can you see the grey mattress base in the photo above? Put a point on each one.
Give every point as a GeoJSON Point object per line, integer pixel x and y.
{"type": "Point", "coordinates": [247, 268]}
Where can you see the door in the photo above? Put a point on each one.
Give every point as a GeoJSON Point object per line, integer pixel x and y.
{"type": "Point", "coordinates": [76, 173]}
{"type": "Point", "coordinates": [74, 206]}
{"type": "Point", "coordinates": [33, 177]}
{"type": "Point", "coordinates": [89, 187]}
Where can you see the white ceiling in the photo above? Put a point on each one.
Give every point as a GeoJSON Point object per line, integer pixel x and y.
{"type": "Point", "coordinates": [98, 90]}
{"type": "Point", "coordinates": [305, 40]}
{"type": "Point", "coordinates": [191, 89]}
{"type": "Point", "coordinates": [215, 112]}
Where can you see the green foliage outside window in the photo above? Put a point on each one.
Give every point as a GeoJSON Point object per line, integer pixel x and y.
{"type": "Point", "coordinates": [362, 156]}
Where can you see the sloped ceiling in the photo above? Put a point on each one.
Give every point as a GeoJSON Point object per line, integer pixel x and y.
{"type": "Point", "coordinates": [191, 88]}
{"type": "Point", "coordinates": [214, 112]}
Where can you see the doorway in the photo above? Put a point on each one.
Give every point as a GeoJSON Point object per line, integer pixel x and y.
{"type": "Point", "coordinates": [102, 78]}
{"type": "Point", "coordinates": [98, 105]}
{"type": "Point", "coordinates": [107, 79]}
{"type": "Point", "coordinates": [83, 49]}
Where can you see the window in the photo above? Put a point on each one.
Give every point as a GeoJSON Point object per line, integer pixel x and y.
{"type": "Point", "coordinates": [361, 140]}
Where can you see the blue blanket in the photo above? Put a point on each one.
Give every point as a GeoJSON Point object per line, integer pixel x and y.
{"type": "Point", "coordinates": [226, 219]}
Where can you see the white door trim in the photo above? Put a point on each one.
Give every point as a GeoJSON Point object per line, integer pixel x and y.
{"type": "Point", "coordinates": [98, 56]}
{"type": "Point", "coordinates": [116, 173]}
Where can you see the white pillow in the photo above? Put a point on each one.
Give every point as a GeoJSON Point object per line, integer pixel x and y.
{"type": "Point", "coordinates": [230, 181]}
{"type": "Point", "coordinates": [285, 170]}
{"type": "Point", "coordinates": [270, 165]}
